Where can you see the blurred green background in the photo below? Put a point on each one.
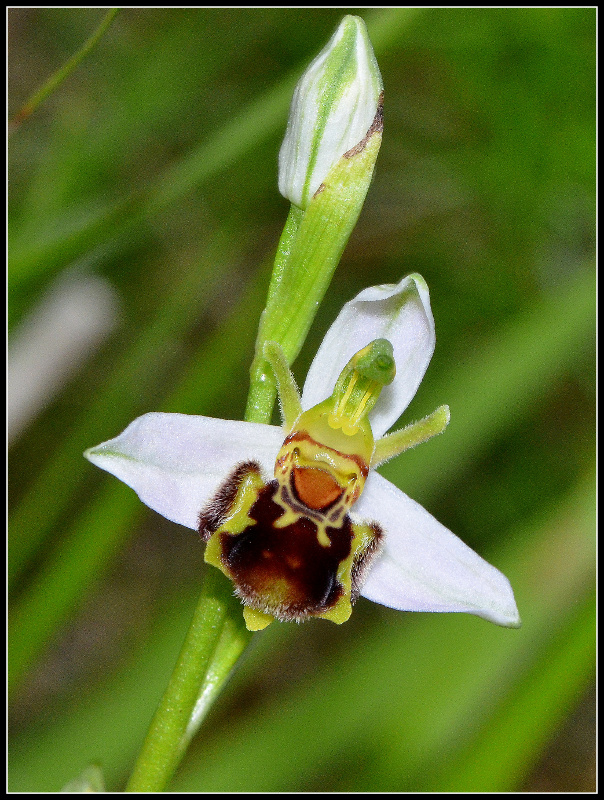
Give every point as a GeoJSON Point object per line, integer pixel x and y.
{"type": "Point", "coordinates": [148, 180]}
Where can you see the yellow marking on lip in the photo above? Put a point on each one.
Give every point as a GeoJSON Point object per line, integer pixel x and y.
{"type": "Point", "coordinates": [322, 536]}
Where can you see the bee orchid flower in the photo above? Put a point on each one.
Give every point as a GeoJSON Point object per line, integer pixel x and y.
{"type": "Point", "coordinates": [297, 517]}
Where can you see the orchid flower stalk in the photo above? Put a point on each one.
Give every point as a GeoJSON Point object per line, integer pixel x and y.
{"type": "Point", "coordinates": [296, 517]}
{"type": "Point", "coordinates": [344, 79]}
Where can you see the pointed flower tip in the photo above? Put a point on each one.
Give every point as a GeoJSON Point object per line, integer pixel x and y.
{"type": "Point", "coordinates": [444, 414]}
{"type": "Point", "coordinates": [419, 281]}
{"type": "Point", "coordinates": [505, 613]}
{"type": "Point", "coordinates": [512, 619]}
{"type": "Point", "coordinates": [506, 616]}
{"type": "Point", "coordinates": [509, 620]}
{"type": "Point", "coordinates": [334, 105]}
{"type": "Point", "coordinates": [89, 453]}
{"type": "Point", "coordinates": [96, 454]}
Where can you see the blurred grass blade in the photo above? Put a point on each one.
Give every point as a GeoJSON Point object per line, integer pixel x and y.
{"type": "Point", "coordinates": [524, 724]}
{"type": "Point", "coordinates": [105, 725]}
{"type": "Point", "coordinates": [53, 342]}
{"type": "Point", "coordinates": [68, 575]}
{"type": "Point", "coordinates": [57, 78]}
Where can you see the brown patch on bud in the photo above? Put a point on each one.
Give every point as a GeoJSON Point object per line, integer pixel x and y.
{"type": "Point", "coordinates": [377, 126]}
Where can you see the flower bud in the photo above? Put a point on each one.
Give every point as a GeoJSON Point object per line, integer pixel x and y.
{"type": "Point", "coordinates": [333, 108]}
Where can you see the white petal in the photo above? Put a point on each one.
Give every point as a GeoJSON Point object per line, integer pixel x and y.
{"type": "Point", "coordinates": [177, 462]}
{"type": "Point", "coordinates": [398, 312]}
{"type": "Point", "coordinates": [425, 567]}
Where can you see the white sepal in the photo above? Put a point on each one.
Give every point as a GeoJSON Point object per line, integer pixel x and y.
{"type": "Point", "coordinates": [177, 462]}
{"type": "Point", "coordinates": [425, 567]}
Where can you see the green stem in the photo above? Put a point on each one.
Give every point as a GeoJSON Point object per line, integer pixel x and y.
{"type": "Point", "coordinates": [284, 251]}
{"type": "Point", "coordinates": [59, 76]}
{"type": "Point", "coordinates": [231, 644]}
{"type": "Point", "coordinates": [216, 613]}
{"type": "Point", "coordinates": [263, 388]}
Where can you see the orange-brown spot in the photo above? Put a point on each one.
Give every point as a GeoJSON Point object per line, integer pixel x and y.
{"type": "Point", "coordinates": [294, 562]}
{"type": "Point", "coordinates": [315, 487]}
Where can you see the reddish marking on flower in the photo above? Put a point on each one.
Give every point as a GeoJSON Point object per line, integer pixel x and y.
{"type": "Point", "coordinates": [315, 487]}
